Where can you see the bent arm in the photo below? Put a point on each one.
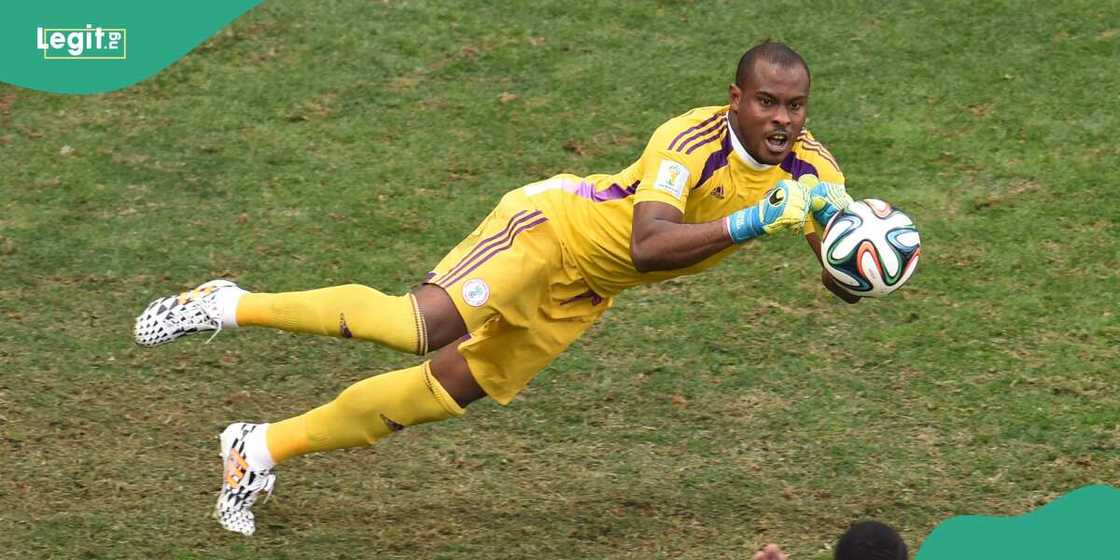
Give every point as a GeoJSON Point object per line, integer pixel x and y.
{"type": "Point", "coordinates": [826, 278]}
{"type": "Point", "coordinates": [659, 241]}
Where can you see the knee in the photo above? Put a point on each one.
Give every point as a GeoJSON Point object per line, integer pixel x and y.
{"type": "Point", "coordinates": [440, 319]}
{"type": "Point", "coordinates": [451, 371]}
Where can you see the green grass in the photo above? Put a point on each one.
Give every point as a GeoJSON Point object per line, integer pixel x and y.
{"type": "Point", "coordinates": [320, 143]}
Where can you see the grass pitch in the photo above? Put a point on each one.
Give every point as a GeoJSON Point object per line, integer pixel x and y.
{"type": "Point", "coordinates": [316, 143]}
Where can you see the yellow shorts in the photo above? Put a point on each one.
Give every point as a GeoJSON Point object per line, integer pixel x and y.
{"type": "Point", "coordinates": [521, 297]}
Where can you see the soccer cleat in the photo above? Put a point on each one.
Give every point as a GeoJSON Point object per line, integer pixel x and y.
{"type": "Point", "coordinates": [241, 483]}
{"type": "Point", "coordinates": [169, 318]}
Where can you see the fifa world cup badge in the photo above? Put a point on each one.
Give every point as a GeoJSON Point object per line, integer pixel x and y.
{"type": "Point", "coordinates": [672, 178]}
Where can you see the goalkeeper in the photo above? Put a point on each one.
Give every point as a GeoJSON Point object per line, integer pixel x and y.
{"type": "Point", "coordinates": [536, 273]}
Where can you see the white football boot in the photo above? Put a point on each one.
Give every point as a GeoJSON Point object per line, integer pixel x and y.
{"type": "Point", "coordinates": [242, 484]}
{"type": "Point", "coordinates": [198, 310]}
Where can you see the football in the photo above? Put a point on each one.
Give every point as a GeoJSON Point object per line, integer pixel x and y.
{"type": "Point", "coordinates": [871, 248]}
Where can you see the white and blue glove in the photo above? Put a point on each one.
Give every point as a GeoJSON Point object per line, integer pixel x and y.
{"type": "Point", "coordinates": [785, 207]}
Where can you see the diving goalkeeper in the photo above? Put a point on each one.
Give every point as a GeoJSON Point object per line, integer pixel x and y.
{"type": "Point", "coordinates": [535, 274]}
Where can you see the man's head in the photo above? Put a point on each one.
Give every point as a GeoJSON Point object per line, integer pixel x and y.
{"type": "Point", "coordinates": [871, 540]}
{"type": "Point", "coordinates": [769, 100]}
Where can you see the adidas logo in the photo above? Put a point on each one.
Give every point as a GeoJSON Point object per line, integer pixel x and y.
{"type": "Point", "coordinates": [718, 192]}
{"type": "Point", "coordinates": [394, 426]}
{"type": "Point", "coordinates": [343, 329]}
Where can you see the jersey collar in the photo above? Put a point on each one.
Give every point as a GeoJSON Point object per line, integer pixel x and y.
{"type": "Point", "coordinates": [742, 152]}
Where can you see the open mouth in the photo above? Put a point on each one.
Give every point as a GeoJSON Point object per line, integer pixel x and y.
{"type": "Point", "coordinates": [777, 141]}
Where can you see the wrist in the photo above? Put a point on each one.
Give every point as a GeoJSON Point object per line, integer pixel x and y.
{"type": "Point", "coordinates": [744, 225]}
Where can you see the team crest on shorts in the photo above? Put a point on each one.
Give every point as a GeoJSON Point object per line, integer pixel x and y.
{"type": "Point", "coordinates": [476, 292]}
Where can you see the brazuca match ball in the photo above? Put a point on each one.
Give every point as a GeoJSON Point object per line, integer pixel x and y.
{"type": "Point", "coordinates": [871, 248]}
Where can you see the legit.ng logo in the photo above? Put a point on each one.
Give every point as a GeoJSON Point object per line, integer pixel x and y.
{"type": "Point", "coordinates": [88, 43]}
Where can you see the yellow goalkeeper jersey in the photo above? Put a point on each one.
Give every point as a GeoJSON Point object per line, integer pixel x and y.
{"type": "Point", "coordinates": [692, 162]}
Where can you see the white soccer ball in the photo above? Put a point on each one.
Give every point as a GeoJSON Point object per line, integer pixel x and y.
{"type": "Point", "coordinates": [871, 248]}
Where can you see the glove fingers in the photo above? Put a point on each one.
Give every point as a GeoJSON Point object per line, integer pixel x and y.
{"type": "Point", "coordinates": [787, 206]}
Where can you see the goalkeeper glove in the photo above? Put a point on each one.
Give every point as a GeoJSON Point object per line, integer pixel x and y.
{"type": "Point", "coordinates": [825, 199]}
{"type": "Point", "coordinates": [785, 206]}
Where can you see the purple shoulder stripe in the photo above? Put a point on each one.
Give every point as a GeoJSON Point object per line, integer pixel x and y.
{"type": "Point", "coordinates": [823, 152]}
{"type": "Point", "coordinates": [716, 127]}
{"type": "Point", "coordinates": [697, 127]}
{"type": "Point", "coordinates": [707, 140]}
{"type": "Point", "coordinates": [715, 161]}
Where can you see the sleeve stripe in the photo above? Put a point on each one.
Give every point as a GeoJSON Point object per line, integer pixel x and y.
{"type": "Point", "coordinates": [820, 150]}
{"type": "Point", "coordinates": [697, 127]}
{"type": "Point", "coordinates": [716, 136]}
{"type": "Point", "coordinates": [827, 156]}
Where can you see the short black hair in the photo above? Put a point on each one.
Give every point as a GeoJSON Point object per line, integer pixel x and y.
{"type": "Point", "coordinates": [871, 540]}
{"type": "Point", "coordinates": [772, 52]}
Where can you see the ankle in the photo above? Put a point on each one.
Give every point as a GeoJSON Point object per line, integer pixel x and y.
{"type": "Point", "coordinates": [227, 302]}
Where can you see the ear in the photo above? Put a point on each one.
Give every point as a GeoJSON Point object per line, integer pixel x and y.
{"type": "Point", "coordinates": [735, 95]}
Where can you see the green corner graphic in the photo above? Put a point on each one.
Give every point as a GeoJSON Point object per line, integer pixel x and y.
{"type": "Point", "coordinates": [95, 47]}
{"type": "Point", "coordinates": [1083, 524]}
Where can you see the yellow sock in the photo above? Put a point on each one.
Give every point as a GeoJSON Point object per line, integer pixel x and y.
{"type": "Point", "coordinates": [350, 311]}
{"type": "Point", "coordinates": [364, 413]}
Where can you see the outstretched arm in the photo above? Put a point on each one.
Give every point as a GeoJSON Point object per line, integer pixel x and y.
{"type": "Point", "coordinates": [660, 241]}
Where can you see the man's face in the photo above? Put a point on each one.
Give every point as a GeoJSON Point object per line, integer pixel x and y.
{"type": "Point", "coordinates": [769, 109]}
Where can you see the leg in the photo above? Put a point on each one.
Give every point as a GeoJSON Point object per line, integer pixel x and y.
{"type": "Point", "coordinates": [350, 311]}
{"type": "Point", "coordinates": [442, 320]}
{"type": "Point", "coordinates": [451, 370]}
{"type": "Point", "coordinates": [488, 283]}
{"type": "Point", "coordinates": [418, 321]}
{"type": "Point", "coordinates": [378, 406]}
{"type": "Point", "coordinates": [426, 318]}
{"type": "Point", "coordinates": [361, 415]}
{"type": "Point", "coordinates": [415, 322]}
